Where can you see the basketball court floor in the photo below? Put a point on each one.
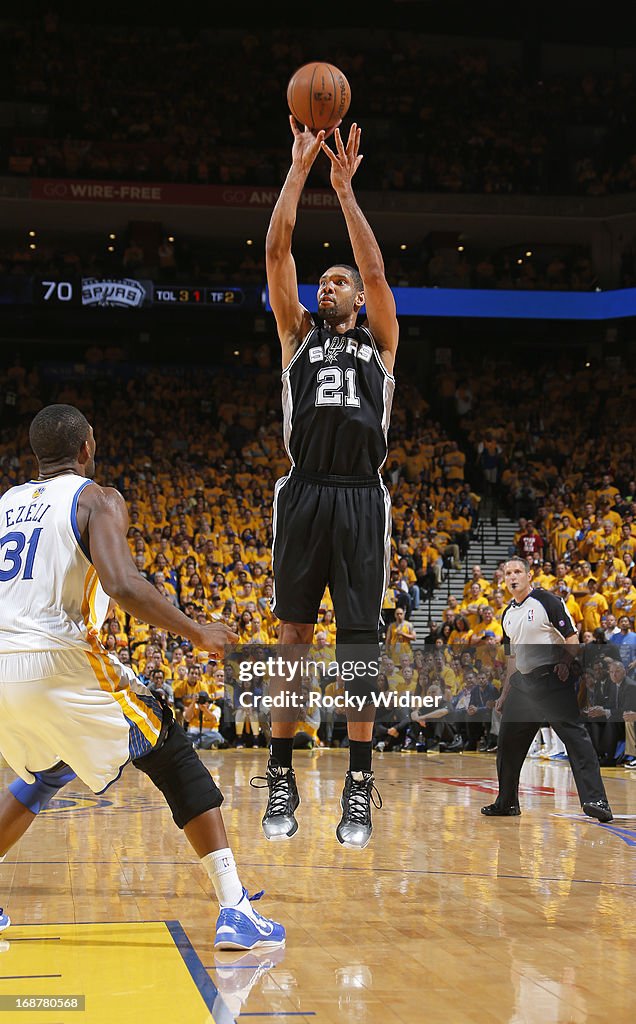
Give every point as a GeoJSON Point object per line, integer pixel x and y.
{"type": "Point", "coordinates": [447, 916]}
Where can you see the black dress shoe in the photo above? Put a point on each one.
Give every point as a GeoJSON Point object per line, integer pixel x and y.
{"type": "Point", "coordinates": [599, 809]}
{"type": "Point", "coordinates": [496, 811]}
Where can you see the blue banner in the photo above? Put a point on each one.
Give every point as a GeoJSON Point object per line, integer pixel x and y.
{"type": "Point", "coordinates": [475, 302]}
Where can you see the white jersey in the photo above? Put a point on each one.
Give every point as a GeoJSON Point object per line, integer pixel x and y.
{"type": "Point", "coordinates": [50, 594]}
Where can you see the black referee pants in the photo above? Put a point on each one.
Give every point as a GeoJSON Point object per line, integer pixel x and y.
{"type": "Point", "coordinates": [525, 710]}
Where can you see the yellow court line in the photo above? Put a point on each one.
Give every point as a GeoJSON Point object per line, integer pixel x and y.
{"type": "Point", "coordinates": [127, 972]}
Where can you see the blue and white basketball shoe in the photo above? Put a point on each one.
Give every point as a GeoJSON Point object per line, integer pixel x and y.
{"type": "Point", "coordinates": [241, 927]}
{"type": "Point", "coordinates": [5, 920]}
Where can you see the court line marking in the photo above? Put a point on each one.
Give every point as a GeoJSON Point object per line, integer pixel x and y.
{"type": "Point", "coordinates": [58, 924]}
{"type": "Point", "coordinates": [204, 984]}
{"type": "Point", "coordinates": [25, 977]}
{"type": "Point", "coordinates": [235, 967]}
{"type": "Point", "coordinates": [322, 867]}
{"type": "Point", "coordinates": [206, 987]}
{"type": "Point", "coordinates": [459, 874]}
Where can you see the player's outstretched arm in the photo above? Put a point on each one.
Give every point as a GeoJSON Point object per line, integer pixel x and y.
{"type": "Point", "coordinates": [103, 522]}
{"type": "Point", "coordinates": [378, 297]}
{"type": "Point", "coordinates": [292, 319]}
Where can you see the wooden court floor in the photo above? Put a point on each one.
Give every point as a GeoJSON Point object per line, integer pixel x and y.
{"type": "Point", "coordinates": [447, 916]}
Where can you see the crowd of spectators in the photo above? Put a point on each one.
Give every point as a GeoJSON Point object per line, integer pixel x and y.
{"type": "Point", "coordinates": [553, 446]}
{"type": "Point", "coordinates": [208, 106]}
{"type": "Point", "coordinates": [559, 431]}
{"type": "Point", "coordinates": [194, 261]}
{"type": "Point", "coordinates": [196, 451]}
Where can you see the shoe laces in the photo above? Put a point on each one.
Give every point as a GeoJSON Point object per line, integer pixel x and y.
{"type": "Point", "coordinates": [362, 793]}
{"type": "Point", "coordinates": [280, 788]}
{"type": "Point", "coordinates": [253, 899]}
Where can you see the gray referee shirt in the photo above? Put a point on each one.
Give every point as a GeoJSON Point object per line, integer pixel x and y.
{"type": "Point", "coordinates": [534, 629]}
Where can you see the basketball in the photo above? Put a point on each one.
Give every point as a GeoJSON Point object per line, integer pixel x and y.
{"type": "Point", "coordinates": [318, 95]}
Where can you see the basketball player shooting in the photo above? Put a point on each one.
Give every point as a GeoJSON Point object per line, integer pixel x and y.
{"type": "Point", "coordinates": [332, 513]}
{"type": "Point", "coordinates": [68, 708]}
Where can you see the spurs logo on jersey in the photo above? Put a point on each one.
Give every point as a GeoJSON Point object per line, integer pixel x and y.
{"type": "Point", "coordinates": [337, 397]}
{"type": "Point", "coordinates": [50, 594]}
{"type": "Point", "coordinates": [333, 348]}
{"type": "Point", "coordinates": [338, 345]}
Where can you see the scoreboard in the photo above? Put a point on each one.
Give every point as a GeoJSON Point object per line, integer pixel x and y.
{"type": "Point", "coordinates": [123, 293]}
{"type": "Point", "coordinates": [127, 293]}
{"type": "Point", "coordinates": [177, 295]}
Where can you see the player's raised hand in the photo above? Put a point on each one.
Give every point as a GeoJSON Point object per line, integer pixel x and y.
{"type": "Point", "coordinates": [306, 145]}
{"type": "Point", "coordinates": [346, 159]}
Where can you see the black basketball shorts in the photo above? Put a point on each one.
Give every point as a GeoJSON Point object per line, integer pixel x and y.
{"type": "Point", "coordinates": [335, 532]}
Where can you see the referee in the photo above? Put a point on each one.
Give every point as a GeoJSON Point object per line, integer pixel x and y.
{"type": "Point", "coordinates": [539, 639]}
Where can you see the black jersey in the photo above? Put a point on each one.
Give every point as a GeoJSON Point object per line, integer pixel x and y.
{"type": "Point", "coordinates": [337, 397]}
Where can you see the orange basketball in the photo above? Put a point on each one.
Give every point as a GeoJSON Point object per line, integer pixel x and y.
{"type": "Point", "coordinates": [318, 95]}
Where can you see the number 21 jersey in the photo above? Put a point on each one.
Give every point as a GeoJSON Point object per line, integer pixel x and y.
{"type": "Point", "coordinates": [50, 594]}
{"type": "Point", "coordinates": [337, 397]}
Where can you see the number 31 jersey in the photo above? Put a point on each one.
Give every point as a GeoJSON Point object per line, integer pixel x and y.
{"type": "Point", "coordinates": [50, 594]}
{"type": "Point", "coordinates": [337, 397]}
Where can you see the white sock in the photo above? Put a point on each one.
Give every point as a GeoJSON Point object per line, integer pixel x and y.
{"type": "Point", "coordinates": [2, 857]}
{"type": "Point", "coordinates": [221, 868]}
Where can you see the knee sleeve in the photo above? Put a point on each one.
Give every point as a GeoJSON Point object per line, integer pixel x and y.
{"type": "Point", "coordinates": [358, 656]}
{"type": "Point", "coordinates": [367, 640]}
{"type": "Point", "coordinates": [35, 796]}
{"type": "Point", "coordinates": [177, 771]}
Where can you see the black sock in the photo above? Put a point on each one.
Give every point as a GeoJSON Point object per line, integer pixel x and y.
{"type": "Point", "coordinates": [282, 750]}
{"type": "Point", "coordinates": [360, 755]}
